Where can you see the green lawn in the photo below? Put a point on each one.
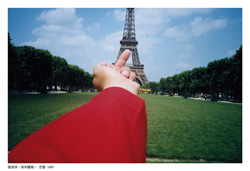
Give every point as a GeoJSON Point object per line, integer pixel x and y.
{"type": "Point", "coordinates": [188, 129]}
{"type": "Point", "coordinates": [28, 113]}
{"type": "Point", "coordinates": [178, 128]}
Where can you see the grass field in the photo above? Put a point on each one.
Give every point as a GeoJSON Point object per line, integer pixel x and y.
{"type": "Point", "coordinates": [188, 129]}
{"type": "Point", "coordinates": [178, 128]}
{"type": "Point", "coordinates": [27, 113]}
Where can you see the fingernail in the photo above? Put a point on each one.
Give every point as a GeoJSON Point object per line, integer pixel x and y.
{"type": "Point", "coordinates": [125, 73]}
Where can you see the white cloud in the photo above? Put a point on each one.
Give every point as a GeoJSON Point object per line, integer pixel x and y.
{"type": "Point", "coordinates": [60, 25]}
{"type": "Point", "coordinates": [94, 27]}
{"type": "Point", "coordinates": [38, 43]}
{"type": "Point", "coordinates": [64, 17]}
{"type": "Point", "coordinates": [195, 28]}
{"type": "Point", "coordinates": [119, 14]}
{"type": "Point", "coordinates": [62, 34]}
{"type": "Point", "coordinates": [147, 44]}
{"type": "Point", "coordinates": [111, 42]}
{"type": "Point", "coordinates": [182, 65]}
{"type": "Point", "coordinates": [153, 20]}
{"type": "Point", "coordinates": [185, 55]}
{"type": "Point", "coordinates": [150, 21]}
{"type": "Point", "coordinates": [186, 11]}
{"type": "Point", "coordinates": [84, 41]}
{"type": "Point", "coordinates": [199, 25]}
{"type": "Point", "coordinates": [180, 33]}
{"type": "Point", "coordinates": [150, 24]}
{"type": "Point", "coordinates": [231, 53]}
{"type": "Point", "coordinates": [189, 47]}
{"type": "Point", "coordinates": [53, 31]}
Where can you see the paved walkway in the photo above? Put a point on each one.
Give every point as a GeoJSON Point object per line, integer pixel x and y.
{"type": "Point", "coordinates": [210, 100]}
{"type": "Point", "coordinates": [29, 92]}
{"type": "Point", "coordinates": [159, 160]}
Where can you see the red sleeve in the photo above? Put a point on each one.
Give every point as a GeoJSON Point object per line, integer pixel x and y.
{"type": "Point", "coordinates": [110, 128]}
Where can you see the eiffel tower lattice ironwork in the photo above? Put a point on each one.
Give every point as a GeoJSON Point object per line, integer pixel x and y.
{"type": "Point", "coordinates": [129, 42]}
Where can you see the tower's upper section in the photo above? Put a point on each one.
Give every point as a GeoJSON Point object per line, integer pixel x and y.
{"type": "Point", "coordinates": [129, 27]}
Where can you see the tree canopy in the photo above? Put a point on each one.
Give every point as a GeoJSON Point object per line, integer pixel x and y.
{"type": "Point", "coordinates": [37, 70]}
{"type": "Point", "coordinates": [219, 78]}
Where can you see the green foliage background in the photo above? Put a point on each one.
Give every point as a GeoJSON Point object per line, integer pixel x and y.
{"type": "Point", "coordinates": [220, 77]}
{"type": "Point", "coordinates": [31, 69]}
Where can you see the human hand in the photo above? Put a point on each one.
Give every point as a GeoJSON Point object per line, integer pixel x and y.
{"type": "Point", "coordinates": [115, 75]}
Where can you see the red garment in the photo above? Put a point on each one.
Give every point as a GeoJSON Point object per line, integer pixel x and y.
{"type": "Point", "coordinates": [110, 128]}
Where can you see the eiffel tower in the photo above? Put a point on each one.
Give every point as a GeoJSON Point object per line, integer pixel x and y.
{"type": "Point", "coordinates": [129, 42]}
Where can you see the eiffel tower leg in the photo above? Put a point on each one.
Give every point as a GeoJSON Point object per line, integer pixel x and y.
{"type": "Point", "coordinates": [140, 75]}
{"type": "Point", "coordinates": [135, 57]}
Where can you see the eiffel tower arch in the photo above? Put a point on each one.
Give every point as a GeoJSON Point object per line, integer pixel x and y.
{"type": "Point", "coordinates": [129, 42]}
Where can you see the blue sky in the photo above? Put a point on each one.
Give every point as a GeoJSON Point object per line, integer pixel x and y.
{"type": "Point", "coordinates": [171, 40]}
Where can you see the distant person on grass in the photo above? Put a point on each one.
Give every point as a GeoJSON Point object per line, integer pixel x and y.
{"type": "Point", "coordinates": [110, 128]}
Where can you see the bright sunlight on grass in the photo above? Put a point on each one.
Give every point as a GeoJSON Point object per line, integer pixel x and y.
{"type": "Point", "coordinates": [178, 128]}
{"type": "Point", "coordinates": [188, 129]}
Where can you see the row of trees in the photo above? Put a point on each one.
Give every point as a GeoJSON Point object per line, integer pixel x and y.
{"type": "Point", "coordinates": [37, 69]}
{"type": "Point", "coordinates": [221, 79]}
{"type": "Point", "coordinates": [154, 86]}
